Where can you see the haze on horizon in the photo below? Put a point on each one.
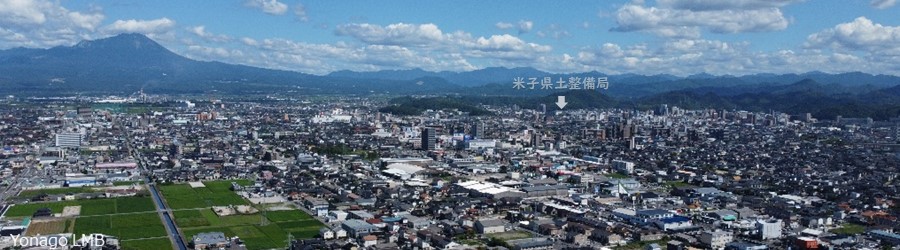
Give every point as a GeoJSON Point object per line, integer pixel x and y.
{"type": "Point", "coordinates": [679, 37]}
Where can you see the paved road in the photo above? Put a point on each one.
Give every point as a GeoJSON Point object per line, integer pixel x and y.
{"type": "Point", "coordinates": [166, 217]}
{"type": "Point", "coordinates": [164, 212]}
{"type": "Point", "coordinates": [15, 184]}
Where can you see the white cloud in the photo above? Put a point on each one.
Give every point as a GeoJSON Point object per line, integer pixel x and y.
{"type": "Point", "coordinates": [429, 37]}
{"type": "Point", "coordinates": [41, 23]}
{"type": "Point", "coordinates": [155, 26]}
{"type": "Point", "coordinates": [525, 26]}
{"type": "Point", "coordinates": [554, 31]}
{"type": "Point", "coordinates": [858, 45]}
{"type": "Point", "coordinates": [883, 4]}
{"type": "Point", "coordinates": [272, 7]}
{"type": "Point", "coordinates": [23, 12]}
{"type": "Point", "coordinates": [300, 12]}
{"type": "Point", "coordinates": [393, 34]}
{"type": "Point", "coordinates": [206, 35]}
{"type": "Point", "coordinates": [505, 42]}
{"type": "Point", "coordinates": [686, 18]}
{"type": "Point", "coordinates": [323, 58]}
{"type": "Point", "coordinates": [691, 56]}
{"type": "Point", "coordinates": [249, 41]}
{"type": "Point", "coordinates": [701, 5]}
{"type": "Point", "coordinates": [85, 21]}
{"type": "Point", "coordinates": [859, 35]}
{"type": "Point", "coordinates": [214, 53]}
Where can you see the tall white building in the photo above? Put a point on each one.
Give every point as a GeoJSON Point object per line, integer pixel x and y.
{"type": "Point", "coordinates": [69, 139]}
{"type": "Point", "coordinates": [623, 166]}
{"type": "Point", "coordinates": [769, 229]}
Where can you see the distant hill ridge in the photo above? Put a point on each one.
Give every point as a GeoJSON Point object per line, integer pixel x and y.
{"type": "Point", "coordinates": [126, 63]}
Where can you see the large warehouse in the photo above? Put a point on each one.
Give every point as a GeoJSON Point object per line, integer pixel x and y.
{"type": "Point", "coordinates": [488, 189]}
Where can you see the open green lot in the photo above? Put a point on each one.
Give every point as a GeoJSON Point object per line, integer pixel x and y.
{"type": "Point", "coordinates": [88, 207]}
{"type": "Point", "coordinates": [216, 193]}
{"type": "Point", "coordinates": [134, 204]}
{"type": "Point", "coordinates": [69, 190]}
{"type": "Point", "coordinates": [258, 231]}
{"type": "Point", "coordinates": [193, 215]}
{"type": "Point", "coordinates": [232, 220]}
{"type": "Point", "coordinates": [849, 229]}
{"type": "Point", "coordinates": [124, 226]}
{"type": "Point", "coordinates": [190, 218]}
{"type": "Point", "coordinates": [147, 244]}
{"type": "Point", "coordinates": [126, 218]}
{"type": "Point", "coordinates": [288, 215]}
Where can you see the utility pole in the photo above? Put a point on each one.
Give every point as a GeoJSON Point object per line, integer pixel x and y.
{"type": "Point", "coordinates": [290, 239]}
{"type": "Point", "coordinates": [262, 219]}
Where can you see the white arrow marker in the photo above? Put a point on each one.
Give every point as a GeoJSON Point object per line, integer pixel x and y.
{"type": "Point", "coordinates": [561, 101]}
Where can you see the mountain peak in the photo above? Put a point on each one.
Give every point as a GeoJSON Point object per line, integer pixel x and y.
{"type": "Point", "coordinates": [806, 82]}
{"type": "Point", "coordinates": [131, 41]}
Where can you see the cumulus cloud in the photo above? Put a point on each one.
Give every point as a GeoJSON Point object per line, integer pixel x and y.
{"type": "Point", "coordinates": [506, 42]}
{"type": "Point", "coordinates": [271, 7]}
{"type": "Point", "coordinates": [701, 5]}
{"type": "Point", "coordinates": [249, 41]}
{"type": "Point", "coordinates": [201, 32]}
{"type": "Point", "coordinates": [691, 56]}
{"type": "Point", "coordinates": [858, 45]}
{"type": "Point", "coordinates": [686, 18]}
{"type": "Point", "coordinates": [155, 26]}
{"type": "Point", "coordinates": [431, 38]}
{"type": "Point", "coordinates": [859, 35]}
{"type": "Point", "coordinates": [393, 46]}
{"type": "Point", "coordinates": [213, 53]}
{"type": "Point", "coordinates": [883, 4]}
{"type": "Point", "coordinates": [308, 57]}
{"type": "Point", "coordinates": [42, 23]}
{"type": "Point", "coordinates": [393, 34]}
{"type": "Point", "coordinates": [525, 26]}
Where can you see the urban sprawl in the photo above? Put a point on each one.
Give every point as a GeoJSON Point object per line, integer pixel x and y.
{"type": "Point", "coordinates": [158, 172]}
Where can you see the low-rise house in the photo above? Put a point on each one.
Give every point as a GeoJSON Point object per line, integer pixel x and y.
{"type": "Point", "coordinates": [210, 240]}
{"type": "Point", "coordinates": [326, 233]}
{"type": "Point", "coordinates": [369, 240]}
{"type": "Point", "coordinates": [716, 239]}
{"type": "Point", "coordinates": [358, 228]}
{"type": "Point", "coordinates": [489, 226]}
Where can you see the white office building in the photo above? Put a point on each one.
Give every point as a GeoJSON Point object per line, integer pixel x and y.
{"type": "Point", "coordinates": [72, 140]}
{"type": "Point", "coordinates": [769, 229]}
{"type": "Point", "coordinates": [623, 166]}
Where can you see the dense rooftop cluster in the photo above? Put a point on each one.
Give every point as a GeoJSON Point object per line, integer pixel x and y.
{"type": "Point", "coordinates": [518, 179]}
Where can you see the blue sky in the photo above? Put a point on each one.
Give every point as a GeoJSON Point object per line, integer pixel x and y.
{"type": "Point", "coordinates": [678, 37]}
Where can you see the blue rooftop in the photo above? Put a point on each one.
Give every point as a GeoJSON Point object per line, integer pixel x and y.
{"type": "Point", "coordinates": [885, 234]}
